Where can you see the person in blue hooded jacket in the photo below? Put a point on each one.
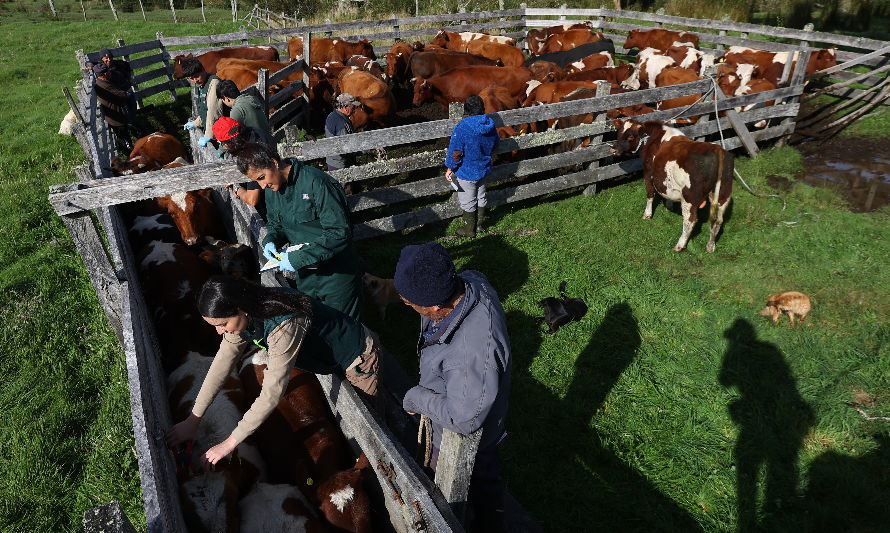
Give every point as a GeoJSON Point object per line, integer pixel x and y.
{"type": "Point", "coordinates": [469, 162]}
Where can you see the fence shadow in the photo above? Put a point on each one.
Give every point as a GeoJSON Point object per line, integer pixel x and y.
{"type": "Point", "coordinates": [557, 465]}
{"type": "Point", "coordinates": [773, 420]}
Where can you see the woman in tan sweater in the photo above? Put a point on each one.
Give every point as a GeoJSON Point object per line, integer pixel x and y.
{"type": "Point", "coordinates": [296, 330]}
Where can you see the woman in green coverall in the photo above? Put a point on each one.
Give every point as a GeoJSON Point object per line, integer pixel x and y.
{"type": "Point", "coordinates": [306, 205]}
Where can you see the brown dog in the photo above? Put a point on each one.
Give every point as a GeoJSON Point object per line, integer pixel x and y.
{"type": "Point", "coordinates": [382, 292]}
{"type": "Point", "coordinates": [790, 303]}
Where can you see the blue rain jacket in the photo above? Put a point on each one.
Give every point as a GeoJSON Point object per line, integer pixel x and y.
{"type": "Point", "coordinates": [474, 137]}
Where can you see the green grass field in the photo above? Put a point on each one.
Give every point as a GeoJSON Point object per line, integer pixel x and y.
{"type": "Point", "coordinates": [639, 417]}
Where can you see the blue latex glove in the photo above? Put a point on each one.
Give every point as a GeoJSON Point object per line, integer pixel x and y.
{"type": "Point", "coordinates": [284, 264]}
{"type": "Point", "coordinates": [202, 142]}
{"type": "Point", "coordinates": [189, 125]}
{"type": "Point", "coordinates": [220, 155]}
{"type": "Point", "coordinates": [269, 251]}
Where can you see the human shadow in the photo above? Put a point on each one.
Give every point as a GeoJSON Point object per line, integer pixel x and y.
{"type": "Point", "coordinates": [557, 464]}
{"type": "Point", "coordinates": [849, 493]}
{"type": "Point", "coordinates": [773, 420]}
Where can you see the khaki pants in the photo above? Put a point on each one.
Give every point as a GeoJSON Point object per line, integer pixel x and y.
{"type": "Point", "coordinates": [362, 373]}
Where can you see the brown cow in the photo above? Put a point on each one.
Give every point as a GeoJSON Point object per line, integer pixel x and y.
{"type": "Point", "coordinates": [544, 71]}
{"type": "Point", "coordinates": [377, 101]}
{"type": "Point", "coordinates": [149, 153]}
{"type": "Point", "coordinates": [368, 65]}
{"type": "Point", "coordinates": [397, 62]}
{"type": "Point", "coordinates": [681, 170]}
{"type": "Point", "coordinates": [456, 84]}
{"type": "Point", "coordinates": [675, 76]}
{"type": "Point", "coordinates": [534, 38]}
{"type": "Point", "coordinates": [506, 55]}
{"type": "Point", "coordinates": [568, 40]}
{"type": "Point", "coordinates": [495, 99]}
{"type": "Point", "coordinates": [658, 39]}
{"type": "Point", "coordinates": [323, 49]}
{"type": "Point", "coordinates": [194, 214]}
{"type": "Point", "coordinates": [243, 72]}
{"type": "Point", "coordinates": [210, 59]}
{"type": "Point", "coordinates": [614, 75]}
{"type": "Point", "coordinates": [429, 64]}
{"type": "Point", "coordinates": [459, 41]}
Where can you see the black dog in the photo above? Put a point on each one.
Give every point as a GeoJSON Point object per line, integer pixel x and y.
{"type": "Point", "coordinates": [560, 311]}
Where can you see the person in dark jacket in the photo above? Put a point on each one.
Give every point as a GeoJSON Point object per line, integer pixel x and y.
{"type": "Point", "coordinates": [206, 102]}
{"type": "Point", "coordinates": [338, 123]}
{"type": "Point", "coordinates": [465, 364]}
{"type": "Point", "coordinates": [295, 330]}
{"type": "Point", "coordinates": [248, 110]}
{"type": "Point", "coordinates": [305, 206]}
{"type": "Point", "coordinates": [113, 103]}
{"type": "Point", "coordinates": [469, 161]}
{"type": "Point", "coordinates": [121, 78]}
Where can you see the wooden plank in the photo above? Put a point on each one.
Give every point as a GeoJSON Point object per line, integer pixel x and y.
{"type": "Point", "coordinates": [204, 39]}
{"type": "Point", "coordinates": [150, 75]}
{"type": "Point", "coordinates": [497, 197]}
{"type": "Point", "coordinates": [457, 455]}
{"type": "Point", "coordinates": [108, 518]}
{"type": "Point", "coordinates": [739, 126]}
{"type": "Point", "coordinates": [95, 260]}
{"type": "Point", "coordinates": [155, 89]}
{"type": "Point", "coordinates": [393, 465]}
{"type": "Point", "coordinates": [153, 59]}
{"type": "Point", "coordinates": [850, 93]}
{"type": "Point", "coordinates": [295, 66]}
{"type": "Point", "coordinates": [171, 83]}
{"type": "Point", "coordinates": [284, 96]}
{"type": "Point", "coordinates": [125, 50]}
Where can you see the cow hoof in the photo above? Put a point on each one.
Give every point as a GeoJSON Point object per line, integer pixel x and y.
{"type": "Point", "coordinates": [646, 217]}
{"type": "Point", "coordinates": [678, 249]}
{"type": "Point", "coordinates": [711, 248]}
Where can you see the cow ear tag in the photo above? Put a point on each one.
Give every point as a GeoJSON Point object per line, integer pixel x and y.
{"type": "Point", "coordinates": [309, 481]}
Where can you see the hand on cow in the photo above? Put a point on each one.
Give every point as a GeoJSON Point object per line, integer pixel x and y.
{"type": "Point", "coordinates": [284, 264]}
{"type": "Point", "coordinates": [202, 142]}
{"type": "Point", "coordinates": [184, 431]}
{"type": "Point", "coordinates": [189, 125]}
{"type": "Point", "coordinates": [213, 455]}
{"type": "Point", "coordinates": [270, 251]}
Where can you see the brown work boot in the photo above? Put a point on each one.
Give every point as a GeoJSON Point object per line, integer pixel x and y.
{"type": "Point", "coordinates": [469, 225]}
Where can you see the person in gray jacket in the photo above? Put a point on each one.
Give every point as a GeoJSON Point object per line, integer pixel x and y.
{"type": "Point", "coordinates": [465, 364]}
{"type": "Point", "coordinates": [339, 123]}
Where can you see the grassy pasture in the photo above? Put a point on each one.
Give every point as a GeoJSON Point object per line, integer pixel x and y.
{"type": "Point", "coordinates": [638, 417]}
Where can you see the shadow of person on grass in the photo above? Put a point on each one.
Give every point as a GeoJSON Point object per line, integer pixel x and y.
{"type": "Point", "coordinates": [773, 420]}
{"type": "Point", "coordinates": [558, 464]}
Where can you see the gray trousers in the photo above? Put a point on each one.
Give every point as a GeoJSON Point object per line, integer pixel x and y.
{"type": "Point", "coordinates": [471, 194]}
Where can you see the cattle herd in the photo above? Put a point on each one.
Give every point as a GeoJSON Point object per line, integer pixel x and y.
{"type": "Point", "coordinates": [297, 472]}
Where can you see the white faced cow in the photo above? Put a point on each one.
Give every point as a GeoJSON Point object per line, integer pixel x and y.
{"type": "Point", "coordinates": [681, 170]}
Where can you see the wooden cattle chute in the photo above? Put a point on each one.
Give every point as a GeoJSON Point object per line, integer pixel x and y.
{"type": "Point", "coordinates": [409, 203]}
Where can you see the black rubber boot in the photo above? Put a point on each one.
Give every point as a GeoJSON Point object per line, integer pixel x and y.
{"type": "Point", "coordinates": [469, 227]}
{"type": "Point", "coordinates": [480, 220]}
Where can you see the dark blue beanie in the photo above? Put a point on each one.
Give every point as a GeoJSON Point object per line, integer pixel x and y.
{"type": "Point", "coordinates": [425, 274]}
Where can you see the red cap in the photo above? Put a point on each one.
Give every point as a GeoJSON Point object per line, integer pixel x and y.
{"type": "Point", "coordinates": [226, 128]}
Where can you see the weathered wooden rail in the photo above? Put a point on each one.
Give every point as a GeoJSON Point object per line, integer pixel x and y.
{"type": "Point", "coordinates": [416, 195]}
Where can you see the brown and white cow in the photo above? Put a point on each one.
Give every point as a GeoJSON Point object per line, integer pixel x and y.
{"type": "Point", "coordinates": [675, 76]}
{"type": "Point", "coordinates": [680, 169]}
{"type": "Point", "coordinates": [602, 59]}
{"type": "Point", "coordinates": [278, 507]}
{"type": "Point", "coordinates": [368, 65]}
{"type": "Point", "coordinates": [659, 39]}
{"type": "Point", "coordinates": [650, 63]}
{"type": "Point", "coordinates": [771, 65]}
{"type": "Point", "coordinates": [615, 75]}
{"type": "Point", "coordinates": [194, 214]}
{"type": "Point", "coordinates": [568, 40]}
{"type": "Point", "coordinates": [210, 59]}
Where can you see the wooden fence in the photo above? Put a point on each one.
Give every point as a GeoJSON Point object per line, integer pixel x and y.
{"type": "Point", "coordinates": [415, 195]}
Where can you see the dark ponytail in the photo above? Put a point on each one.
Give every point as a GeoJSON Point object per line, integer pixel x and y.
{"type": "Point", "coordinates": [224, 296]}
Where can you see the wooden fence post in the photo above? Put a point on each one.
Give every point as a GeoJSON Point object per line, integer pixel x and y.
{"type": "Point", "coordinates": [457, 455]}
{"type": "Point", "coordinates": [114, 11]}
{"type": "Point", "coordinates": [462, 9]}
{"type": "Point", "coordinates": [563, 7]}
{"type": "Point", "coordinates": [603, 88]}
{"type": "Point", "coordinates": [52, 7]}
{"type": "Point", "coordinates": [307, 36]}
{"type": "Point", "coordinates": [203, 16]}
{"type": "Point", "coordinates": [262, 78]}
{"type": "Point", "coordinates": [172, 10]}
{"type": "Point", "coordinates": [83, 10]}
{"type": "Point", "coordinates": [328, 34]}
{"type": "Point", "coordinates": [244, 41]}
{"type": "Point", "coordinates": [234, 4]}
{"type": "Point", "coordinates": [134, 86]}
{"type": "Point", "coordinates": [165, 59]}
{"type": "Point", "coordinates": [141, 8]}
{"type": "Point", "coordinates": [798, 78]}
{"type": "Point", "coordinates": [395, 26]}
{"type": "Point", "coordinates": [108, 518]}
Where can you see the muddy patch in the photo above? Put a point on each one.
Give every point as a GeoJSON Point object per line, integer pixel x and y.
{"type": "Point", "coordinates": [859, 169]}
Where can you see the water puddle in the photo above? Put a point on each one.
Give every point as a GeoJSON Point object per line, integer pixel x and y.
{"type": "Point", "coordinates": [859, 169]}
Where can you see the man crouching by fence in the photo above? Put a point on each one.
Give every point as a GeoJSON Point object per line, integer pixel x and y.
{"type": "Point", "coordinates": [465, 365]}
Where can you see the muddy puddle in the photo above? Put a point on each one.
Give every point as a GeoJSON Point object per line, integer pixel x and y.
{"type": "Point", "coordinates": [859, 169]}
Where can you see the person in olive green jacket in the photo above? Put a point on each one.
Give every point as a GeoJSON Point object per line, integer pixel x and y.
{"type": "Point", "coordinates": [204, 97]}
{"type": "Point", "coordinates": [246, 109]}
{"type": "Point", "coordinates": [295, 330]}
{"type": "Point", "coordinates": [304, 205]}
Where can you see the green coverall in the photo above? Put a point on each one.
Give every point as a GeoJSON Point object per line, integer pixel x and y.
{"type": "Point", "coordinates": [311, 208]}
